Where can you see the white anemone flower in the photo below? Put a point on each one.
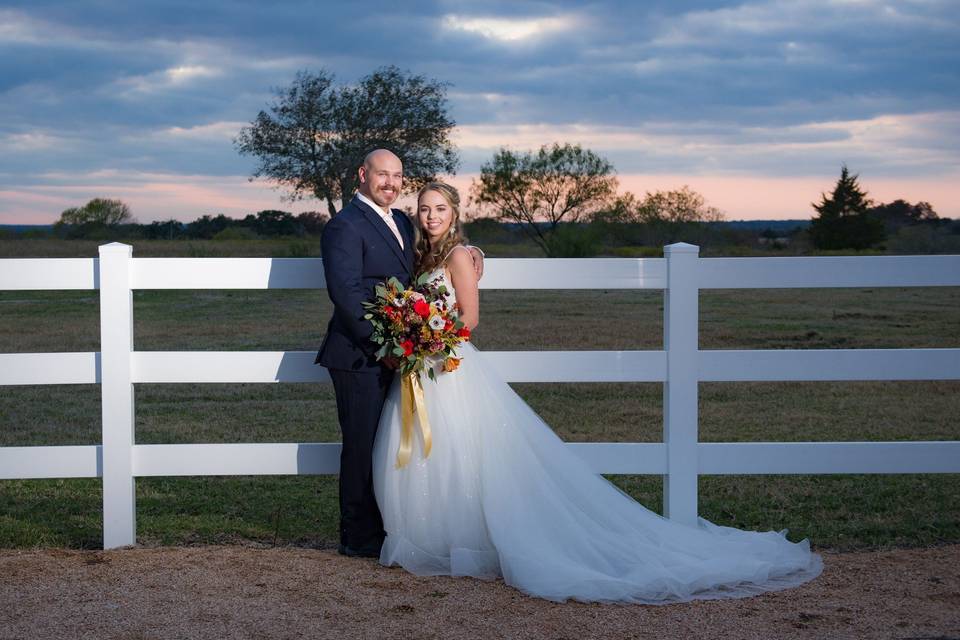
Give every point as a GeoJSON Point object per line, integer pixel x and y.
{"type": "Point", "coordinates": [437, 323]}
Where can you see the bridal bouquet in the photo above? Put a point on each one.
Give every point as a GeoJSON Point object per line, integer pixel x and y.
{"type": "Point", "coordinates": [415, 324]}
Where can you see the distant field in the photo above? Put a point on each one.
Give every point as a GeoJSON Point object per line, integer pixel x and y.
{"type": "Point", "coordinates": [837, 512]}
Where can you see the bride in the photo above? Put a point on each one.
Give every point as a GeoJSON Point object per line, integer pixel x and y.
{"type": "Point", "coordinates": [500, 495]}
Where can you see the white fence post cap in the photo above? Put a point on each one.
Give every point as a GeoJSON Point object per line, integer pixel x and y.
{"type": "Point", "coordinates": [116, 247]}
{"type": "Point", "coordinates": [681, 247]}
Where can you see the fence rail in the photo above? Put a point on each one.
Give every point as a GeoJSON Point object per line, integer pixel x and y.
{"type": "Point", "coordinates": [680, 365]}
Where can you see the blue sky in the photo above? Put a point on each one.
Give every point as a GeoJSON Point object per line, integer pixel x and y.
{"type": "Point", "coordinates": [754, 104]}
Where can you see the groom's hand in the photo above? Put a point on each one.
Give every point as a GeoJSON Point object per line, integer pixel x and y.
{"type": "Point", "coordinates": [391, 362]}
{"type": "Point", "coordinates": [477, 256]}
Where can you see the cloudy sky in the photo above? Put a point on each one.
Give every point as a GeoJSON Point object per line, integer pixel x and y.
{"type": "Point", "coordinates": [755, 104]}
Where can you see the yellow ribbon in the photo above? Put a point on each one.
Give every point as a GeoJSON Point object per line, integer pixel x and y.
{"type": "Point", "coordinates": [411, 402]}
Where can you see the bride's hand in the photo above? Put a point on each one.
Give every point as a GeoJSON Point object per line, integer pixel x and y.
{"type": "Point", "coordinates": [477, 256]}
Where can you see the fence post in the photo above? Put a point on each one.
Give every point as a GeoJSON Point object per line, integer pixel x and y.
{"type": "Point", "coordinates": [116, 387]}
{"type": "Point", "coordinates": [681, 342]}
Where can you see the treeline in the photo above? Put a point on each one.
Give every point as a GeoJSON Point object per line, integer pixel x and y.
{"type": "Point", "coordinates": [104, 219]}
{"type": "Point", "coordinates": [847, 219]}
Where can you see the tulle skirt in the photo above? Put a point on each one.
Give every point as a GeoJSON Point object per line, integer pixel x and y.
{"type": "Point", "coordinates": [502, 496]}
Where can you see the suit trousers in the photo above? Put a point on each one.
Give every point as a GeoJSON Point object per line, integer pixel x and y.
{"type": "Point", "coordinates": [360, 398]}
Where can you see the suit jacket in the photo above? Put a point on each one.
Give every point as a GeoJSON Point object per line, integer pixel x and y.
{"type": "Point", "coordinates": [359, 252]}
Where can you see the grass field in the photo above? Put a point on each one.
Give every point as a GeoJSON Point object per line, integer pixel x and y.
{"type": "Point", "coordinates": [836, 512]}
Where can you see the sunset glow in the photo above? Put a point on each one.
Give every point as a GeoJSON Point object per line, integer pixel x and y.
{"type": "Point", "coordinates": [756, 104]}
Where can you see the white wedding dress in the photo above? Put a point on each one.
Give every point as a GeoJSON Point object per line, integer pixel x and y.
{"type": "Point", "coordinates": [502, 496]}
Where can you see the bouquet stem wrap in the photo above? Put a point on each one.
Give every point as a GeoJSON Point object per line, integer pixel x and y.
{"type": "Point", "coordinates": [412, 406]}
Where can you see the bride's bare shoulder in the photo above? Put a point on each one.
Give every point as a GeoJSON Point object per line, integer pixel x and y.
{"type": "Point", "coordinates": [458, 257]}
{"type": "Point", "coordinates": [457, 250]}
{"type": "Point", "coordinates": [459, 265]}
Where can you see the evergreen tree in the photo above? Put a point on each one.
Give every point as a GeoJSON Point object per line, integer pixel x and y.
{"type": "Point", "coordinates": [843, 222]}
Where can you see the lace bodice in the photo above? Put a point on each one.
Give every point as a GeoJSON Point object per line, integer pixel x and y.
{"type": "Point", "coordinates": [442, 273]}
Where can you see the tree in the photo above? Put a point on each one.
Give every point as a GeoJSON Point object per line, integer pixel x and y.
{"type": "Point", "coordinates": [315, 136]}
{"type": "Point", "coordinates": [622, 210]}
{"type": "Point", "coordinates": [558, 183]}
{"type": "Point", "coordinates": [901, 213]}
{"type": "Point", "coordinates": [171, 229]}
{"type": "Point", "coordinates": [271, 222]}
{"type": "Point", "coordinates": [100, 218]}
{"type": "Point", "coordinates": [658, 218]}
{"type": "Point", "coordinates": [206, 226]}
{"type": "Point", "coordinates": [677, 207]}
{"type": "Point", "coordinates": [843, 222]}
{"type": "Point", "coordinates": [312, 222]}
{"type": "Point", "coordinates": [99, 211]}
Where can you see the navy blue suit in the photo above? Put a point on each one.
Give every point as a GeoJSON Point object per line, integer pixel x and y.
{"type": "Point", "coordinates": [359, 252]}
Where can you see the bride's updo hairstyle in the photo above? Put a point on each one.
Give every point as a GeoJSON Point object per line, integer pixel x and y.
{"type": "Point", "coordinates": [429, 258]}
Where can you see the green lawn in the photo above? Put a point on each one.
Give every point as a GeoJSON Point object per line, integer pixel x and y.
{"type": "Point", "coordinates": [836, 512]}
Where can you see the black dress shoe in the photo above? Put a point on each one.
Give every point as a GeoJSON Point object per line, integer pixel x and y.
{"type": "Point", "coordinates": [362, 552]}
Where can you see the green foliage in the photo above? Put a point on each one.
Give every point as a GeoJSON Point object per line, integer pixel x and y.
{"type": "Point", "coordinates": [236, 233]}
{"type": "Point", "coordinates": [272, 223]}
{"type": "Point", "coordinates": [207, 227]}
{"type": "Point", "coordinates": [101, 211]}
{"type": "Point", "coordinates": [171, 229]}
{"type": "Point", "coordinates": [660, 218]}
{"type": "Point", "coordinates": [315, 136]}
{"type": "Point", "coordinates": [573, 241]}
{"type": "Point", "coordinates": [312, 222]}
{"type": "Point", "coordinates": [539, 191]}
{"type": "Point", "coordinates": [486, 230]}
{"type": "Point", "coordinates": [900, 213]}
{"type": "Point", "coordinates": [99, 219]}
{"type": "Point", "coordinates": [925, 238]}
{"type": "Point", "coordinates": [843, 221]}
{"type": "Point", "coordinates": [298, 249]}
{"type": "Point", "coordinates": [677, 207]}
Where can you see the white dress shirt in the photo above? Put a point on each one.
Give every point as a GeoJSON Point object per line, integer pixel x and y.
{"type": "Point", "coordinates": [387, 217]}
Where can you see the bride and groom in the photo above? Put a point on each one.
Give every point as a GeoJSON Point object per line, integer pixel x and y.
{"type": "Point", "coordinates": [500, 495]}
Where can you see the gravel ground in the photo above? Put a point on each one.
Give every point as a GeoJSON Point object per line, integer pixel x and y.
{"type": "Point", "coordinates": [243, 592]}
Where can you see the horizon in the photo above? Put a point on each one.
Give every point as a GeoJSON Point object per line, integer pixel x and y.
{"type": "Point", "coordinates": [755, 105]}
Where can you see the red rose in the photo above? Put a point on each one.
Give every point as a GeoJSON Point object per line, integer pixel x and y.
{"type": "Point", "coordinates": [421, 308]}
{"type": "Point", "coordinates": [464, 333]}
{"type": "Point", "coordinates": [407, 347]}
{"type": "Point", "coordinates": [447, 325]}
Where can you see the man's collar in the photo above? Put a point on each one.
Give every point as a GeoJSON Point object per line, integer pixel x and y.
{"type": "Point", "coordinates": [373, 205]}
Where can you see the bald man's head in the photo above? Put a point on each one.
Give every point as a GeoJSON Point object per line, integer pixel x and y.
{"type": "Point", "coordinates": [380, 154]}
{"type": "Point", "coordinates": [381, 177]}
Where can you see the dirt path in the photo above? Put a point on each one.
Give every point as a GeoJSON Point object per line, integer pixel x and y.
{"type": "Point", "coordinates": [242, 592]}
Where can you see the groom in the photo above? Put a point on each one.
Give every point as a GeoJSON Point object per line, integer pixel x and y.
{"type": "Point", "coordinates": [366, 243]}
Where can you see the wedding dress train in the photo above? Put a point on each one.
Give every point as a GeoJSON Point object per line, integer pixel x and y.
{"type": "Point", "coordinates": [502, 496]}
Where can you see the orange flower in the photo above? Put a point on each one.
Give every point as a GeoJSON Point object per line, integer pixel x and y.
{"type": "Point", "coordinates": [451, 364]}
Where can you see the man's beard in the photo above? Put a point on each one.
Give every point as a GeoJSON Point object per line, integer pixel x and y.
{"type": "Point", "coordinates": [386, 198]}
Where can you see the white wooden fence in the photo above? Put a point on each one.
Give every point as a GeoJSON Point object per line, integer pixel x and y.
{"type": "Point", "coordinates": [681, 365]}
